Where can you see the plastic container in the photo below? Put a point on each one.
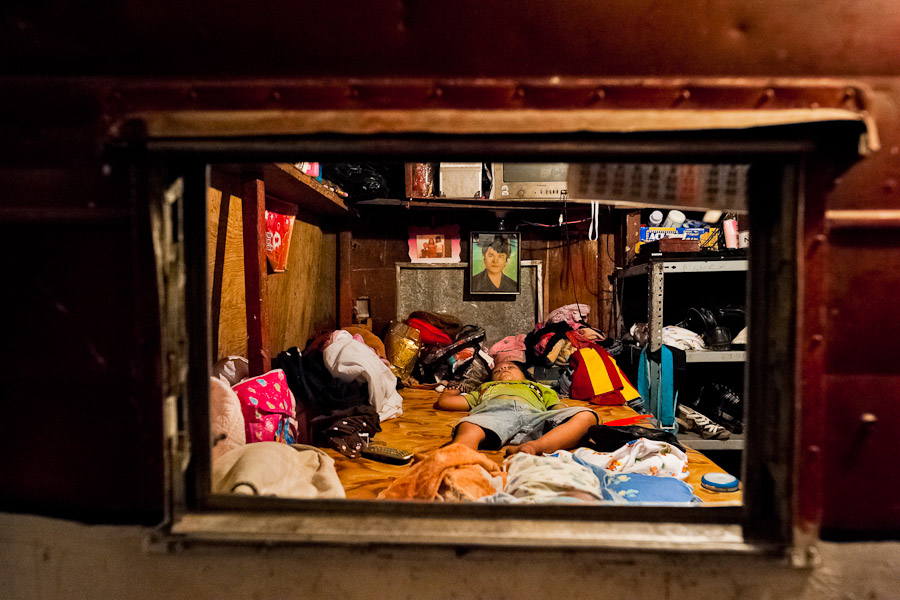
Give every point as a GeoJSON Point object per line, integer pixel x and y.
{"type": "Point", "coordinates": [674, 219]}
{"type": "Point", "coordinates": [730, 228]}
{"type": "Point", "coordinates": [720, 482]}
{"type": "Point", "coordinates": [655, 219]}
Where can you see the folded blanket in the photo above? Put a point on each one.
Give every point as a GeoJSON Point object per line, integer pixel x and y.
{"type": "Point", "coordinates": [452, 473]}
{"type": "Point", "coordinates": [274, 469]}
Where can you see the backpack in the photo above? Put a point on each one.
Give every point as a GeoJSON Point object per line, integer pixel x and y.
{"type": "Point", "coordinates": [268, 408]}
{"type": "Point", "coordinates": [597, 378]}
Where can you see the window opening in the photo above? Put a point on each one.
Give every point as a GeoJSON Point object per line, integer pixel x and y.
{"type": "Point", "coordinates": [773, 194]}
{"type": "Point", "coordinates": [681, 291]}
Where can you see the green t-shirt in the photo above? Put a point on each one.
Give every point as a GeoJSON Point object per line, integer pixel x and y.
{"type": "Point", "coordinates": [538, 396]}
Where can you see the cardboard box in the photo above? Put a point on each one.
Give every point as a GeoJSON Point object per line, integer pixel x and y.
{"type": "Point", "coordinates": [669, 245]}
{"type": "Point", "coordinates": [650, 234]}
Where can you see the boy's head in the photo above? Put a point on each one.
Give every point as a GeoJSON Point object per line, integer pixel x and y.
{"type": "Point", "coordinates": [509, 371]}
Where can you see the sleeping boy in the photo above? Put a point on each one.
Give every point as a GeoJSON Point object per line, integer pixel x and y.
{"type": "Point", "coordinates": [512, 411]}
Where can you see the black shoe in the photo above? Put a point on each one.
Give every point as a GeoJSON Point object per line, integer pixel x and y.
{"type": "Point", "coordinates": [722, 405]}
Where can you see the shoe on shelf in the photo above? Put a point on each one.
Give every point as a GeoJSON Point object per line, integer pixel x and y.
{"type": "Point", "coordinates": [702, 425]}
{"type": "Point", "coordinates": [722, 405]}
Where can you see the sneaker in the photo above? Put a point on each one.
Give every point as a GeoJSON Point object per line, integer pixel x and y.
{"type": "Point", "coordinates": [722, 405]}
{"type": "Point", "coordinates": [703, 425]}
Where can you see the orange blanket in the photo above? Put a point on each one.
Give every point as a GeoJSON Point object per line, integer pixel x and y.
{"type": "Point", "coordinates": [452, 473]}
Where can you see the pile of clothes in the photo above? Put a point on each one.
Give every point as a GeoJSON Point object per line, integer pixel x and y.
{"type": "Point", "coordinates": [333, 394]}
{"type": "Point", "coordinates": [642, 470]}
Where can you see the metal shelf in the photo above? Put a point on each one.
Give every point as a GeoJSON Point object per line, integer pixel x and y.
{"type": "Point", "coordinates": [694, 441]}
{"type": "Point", "coordinates": [694, 265]}
{"type": "Point", "coordinates": [709, 356]}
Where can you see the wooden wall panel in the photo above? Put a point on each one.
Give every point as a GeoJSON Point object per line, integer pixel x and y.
{"type": "Point", "coordinates": [232, 329]}
{"type": "Point", "coordinates": [374, 274]}
{"type": "Point", "coordinates": [301, 300]}
{"type": "Point", "coordinates": [570, 274]}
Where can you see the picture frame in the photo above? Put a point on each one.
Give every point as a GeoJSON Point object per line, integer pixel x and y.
{"type": "Point", "coordinates": [494, 262]}
{"type": "Point", "coordinates": [434, 245]}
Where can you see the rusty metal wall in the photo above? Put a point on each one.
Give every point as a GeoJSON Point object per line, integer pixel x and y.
{"type": "Point", "coordinates": [445, 38]}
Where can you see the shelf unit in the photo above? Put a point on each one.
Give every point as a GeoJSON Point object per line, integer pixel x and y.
{"type": "Point", "coordinates": [656, 268]}
{"type": "Point", "coordinates": [711, 356]}
{"type": "Point", "coordinates": [694, 441]}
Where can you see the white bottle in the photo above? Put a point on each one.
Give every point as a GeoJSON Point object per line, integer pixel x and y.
{"type": "Point", "coordinates": [675, 218]}
{"type": "Point", "coordinates": [655, 218]}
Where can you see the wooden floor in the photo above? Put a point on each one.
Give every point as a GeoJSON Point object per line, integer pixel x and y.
{"type": "Point", "coordinates": [421, 428]}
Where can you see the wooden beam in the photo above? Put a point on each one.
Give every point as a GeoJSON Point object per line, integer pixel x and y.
{"type": "Point", "coordinates": [253, 212]}
{"type": "Point", "coordinates": [345, 289]}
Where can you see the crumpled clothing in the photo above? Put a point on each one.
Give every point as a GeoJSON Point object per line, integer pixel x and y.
{"type": "Point", "coordinates": [274, 469]}
{"type": "Point", "coordinates": [512, 347]}
{"type": "Point", "coordinates": [454, 473]}
{"type": "Point", "coordinates": [672, 335]}
{"type": "Point", "coordinates": [550, 478]}
{"type": "Point", "coordinates": [681, 338]}
{"type": "Point", "coordinates": [232, 369]}
{"type": "Point", "coordinates": [644, 456]}
{"type": "Point", "coordinates": [350, 360]}
{"type": "Point", "coordinates": [369, 339]}
{"type": "Point", "coordinates": [343, 429]}
{"type": "Point", "coordinates": [573, 314]}
{"type": "Point", "coordinates": [429, 334]}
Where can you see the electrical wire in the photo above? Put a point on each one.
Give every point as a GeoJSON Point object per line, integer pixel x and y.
{"type": "Point", "coordinates": [560, 224]}
{"type": "Point", "coordinates": [565, 199]}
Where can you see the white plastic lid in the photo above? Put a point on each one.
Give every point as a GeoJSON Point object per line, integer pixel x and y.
{"type": "Point", "coordinates": [720, 482]}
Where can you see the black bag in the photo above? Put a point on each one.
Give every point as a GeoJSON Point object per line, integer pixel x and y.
{"type": "Point", "coordinates": [460, 361]}
{"type": "Point", "coordinates": [608, 438]}
{"type": "Point", "coordinates": [361, 181]}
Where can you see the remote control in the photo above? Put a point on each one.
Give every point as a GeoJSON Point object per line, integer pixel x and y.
{"type": "Point", "coordinates": [386, 454]}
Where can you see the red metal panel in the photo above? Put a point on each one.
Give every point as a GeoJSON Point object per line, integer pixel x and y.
{"type": "Point", "coordinates": [862, 389]}
{"type": "Point", "coordinates": [862, 310]}
{"type": "Point", "coordinates": [453, 38]}
{"type": "Point", "coordinates": [863, 495]}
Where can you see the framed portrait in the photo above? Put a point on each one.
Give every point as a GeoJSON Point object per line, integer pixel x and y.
{"type": "Point", "coordinates": [494, 262]}
{"type": "Point", "coordinates": [434, 245]}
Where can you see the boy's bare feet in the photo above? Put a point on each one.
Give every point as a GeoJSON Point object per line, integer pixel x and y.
{"type": "Point", "coordinates": [528, 448]}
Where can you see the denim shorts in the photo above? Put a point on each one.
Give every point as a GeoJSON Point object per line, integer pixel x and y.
{"type": "Point", "coordinates": [514, 421]}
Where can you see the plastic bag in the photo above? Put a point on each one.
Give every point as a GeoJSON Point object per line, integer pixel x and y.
{"type": "Point", "coordinates": [402, 349]}
{"type": "Point", "coordinates": [361, 181]}
{"type": "Point", "coordinates": [452, 362]}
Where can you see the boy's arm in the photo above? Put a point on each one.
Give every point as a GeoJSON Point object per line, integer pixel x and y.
{"type": "Point", "coordinates": [451, 399]}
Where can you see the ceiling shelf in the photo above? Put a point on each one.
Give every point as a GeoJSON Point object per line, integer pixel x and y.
{"type": "Point", "coordinates": [285, 182]}
{"type": "Point", "coordinates": [435, 202]}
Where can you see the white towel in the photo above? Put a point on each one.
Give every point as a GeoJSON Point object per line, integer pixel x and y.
{"type": "Point", "coordinates": [351, 360]}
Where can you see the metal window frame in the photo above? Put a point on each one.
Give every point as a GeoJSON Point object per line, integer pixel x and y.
{"type": "Point", "coordinates": [763, 525]}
